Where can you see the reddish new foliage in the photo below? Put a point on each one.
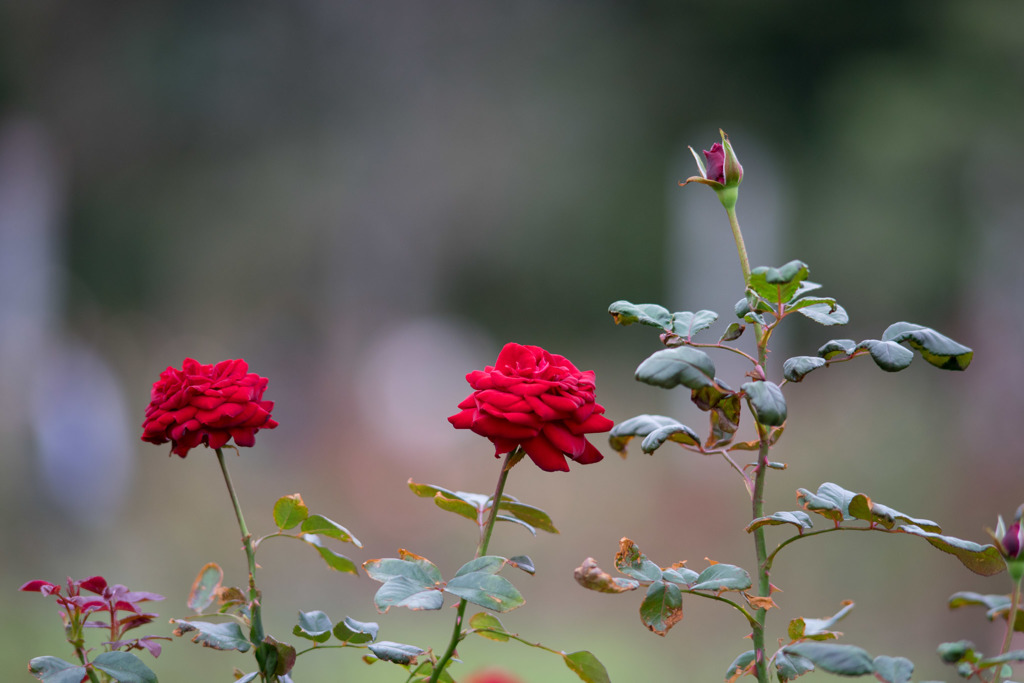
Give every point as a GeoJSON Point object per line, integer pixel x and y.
{"type": "Point", "coordinates": [207, 404]}
{"type": "Point", "coordinates": [537, 400]}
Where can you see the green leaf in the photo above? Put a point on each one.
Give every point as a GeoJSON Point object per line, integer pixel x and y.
{"type": "Point", "coordinates": [124, 667]}
{"type": "Point", "coordinates": [837, 347]}
{"type": "Point", "coordinates": [722, 577]}
{"type": "Point", "coordinates": [356, 632]}
{"type": "Point", "coordinates": [205, 587]}
{"type": "Point", "coordinates": [226, 636]}
{"type": "Point", "coordinates": [732, 333]}
{"type": "Point", "coordinates": [289, 511]}
{"type": "Point", "coordinates": [425, 574]}
{"type": "Point", "coordinates": [641, 425]}
{"type": "Point", "coordinates": [768, 402]}
{"type": "Point", "coordinates": [401, 591]}
{"type": "Point", "coordinates": [677, 433]}
{"type": "Point", "coordinates": [522, 562]}
{"type": "Point", "coordinates": [742, 309]}
{"type": "Point", "coordinates": [951, 653]}
{"type": "Point", "coordinates": [533, 516]}
{"type": "Point", "coordinates": [687, 324]}
{"type": "Point", "coordinates": [488, 626]}
{"type": "Point", "coordinates": [56, 670]}
{"type": "Point", "coordinates": [429, 490]}
{"type": "Point", "coordinates": [778, 285]}
{"type": "Point", "coordinates": [626, 313]}
{"type": "Point", "coordinates": [887, 355]}
{"type": "Point", "coordinates": [684, 365]}
{"type": "Point", "coordinates": [334, 560]}
{"type": "Point", "coordinates": [893, 669]}
{"type": "Point", "coordinates": [680, 576]}
{"type": "Point", "coordinates": [844, 660]}
{"type": "Point", "coordinates": [937, 349]}
{"type": "Point", "coordinates": [456, 505]}
{"type": "Point", "coordinates": [1011, 656]}
{"type": "Point", "coordinates": [980, 559]}
{"type": "Point", "coordinates": [315, 626]}
{"type": "Point", "coordinates": [825, 313]}
{"type": "Point", "coordinates": [662, 607]}
{"type": "Point", "coordinates": [592, 577]}
{"type": "Point", "coordinates": [797, 304]}
{"type": "Point", "coordinates": [398, 653]}
{"type": "Point", "coordinates": [283, 658]}
{"type": "Point", "coordinates": [790, 666]}
{"type": "Point", "coordinates": [998, 606]}
{"type": "Point", "coordinates": [633, 563]}
{"type": "Point", "coordinates": [798, 518]}
{"type": "Point", "coordinates": [831, 501]}
{"type": "Point", "coordinates": [795, 368]}
{"type": "Point", "coordinates": [491, 564]}
{"type": "Point", "coordinates": [487, 590]}
{"type": "Point", "coordinates": [588, 667]}
{"type": "Point", "coordinates": [318, 524]}
{"type": "Point", "coordinates": [862, 507]}
{"type": "Point", "coordinates": [739, 665]}
{"type": "Point", "coordinates": [818, 629]}
{"type": "Point", "coordinates": [724, 406]}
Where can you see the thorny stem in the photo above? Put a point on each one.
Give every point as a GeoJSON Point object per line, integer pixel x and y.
{"type": "Point", "coordinates": [256, 632]}
{"type": "Point", "coordinates": [481, 550]}
{"type": "Point", "coordinates": [1010, 619]}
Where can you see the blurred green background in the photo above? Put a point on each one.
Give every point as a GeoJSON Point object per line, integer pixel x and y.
{"type": "Point", "coordinates": [366, 200]}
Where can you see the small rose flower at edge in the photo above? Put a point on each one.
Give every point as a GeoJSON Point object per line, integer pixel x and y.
{"type": "Point", "coordinates": [208, 405]}
{"type": "Point", "coordinates": [723, 173]}
{"type": "Point", "coordinates": [537, 400]}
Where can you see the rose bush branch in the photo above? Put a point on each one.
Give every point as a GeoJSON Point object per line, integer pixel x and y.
{"type": "Point", "coordinates": [770, 296]}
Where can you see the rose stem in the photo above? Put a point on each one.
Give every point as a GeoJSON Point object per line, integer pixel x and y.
{"type": "Point", "coordinates": [481, 550]}
{"type": "Point", "coordinates": [1010, 619]}
{"type": "Point", "coordinates": [256, 632]}
{"type": "Point", "coordinates": [760, 550]}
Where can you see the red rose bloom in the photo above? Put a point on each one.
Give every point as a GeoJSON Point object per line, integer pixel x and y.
{"type": "Point", "coordinates": [537, 400]}
{"type": "Point", "coordinates": [207, 404]}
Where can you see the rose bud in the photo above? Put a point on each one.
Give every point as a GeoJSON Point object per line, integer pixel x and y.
{"type": "Point", "coordinates": [723, 173]}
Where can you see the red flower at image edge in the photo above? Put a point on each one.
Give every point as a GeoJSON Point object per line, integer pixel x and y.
{"type": "Point", "coordinates": [207, 404]}
{"type": "Point", "coordinates": [537, 400]}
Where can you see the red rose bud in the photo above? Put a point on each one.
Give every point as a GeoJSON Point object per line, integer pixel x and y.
{"type": "Point", "coordinates": [1013, 541]}
{"type": "Point", "coordinates": [723, 173]}
{"type": "Point", "coordinates": [537, 400]}
{"type": "Point", "coordinates": [207, 404]}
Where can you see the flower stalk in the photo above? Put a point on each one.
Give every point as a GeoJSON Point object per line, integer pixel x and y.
{"type": "Point", "coordinates": [485, 538]}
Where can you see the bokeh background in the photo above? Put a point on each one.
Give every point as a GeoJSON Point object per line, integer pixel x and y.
{"type": "Point", "coordinates": [366, 200]}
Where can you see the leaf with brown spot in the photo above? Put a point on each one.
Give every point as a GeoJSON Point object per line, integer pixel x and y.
{"type": "Point", "coordinates": [592, 577]}
{"type": "Point", "coordinates": [662, 607]}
